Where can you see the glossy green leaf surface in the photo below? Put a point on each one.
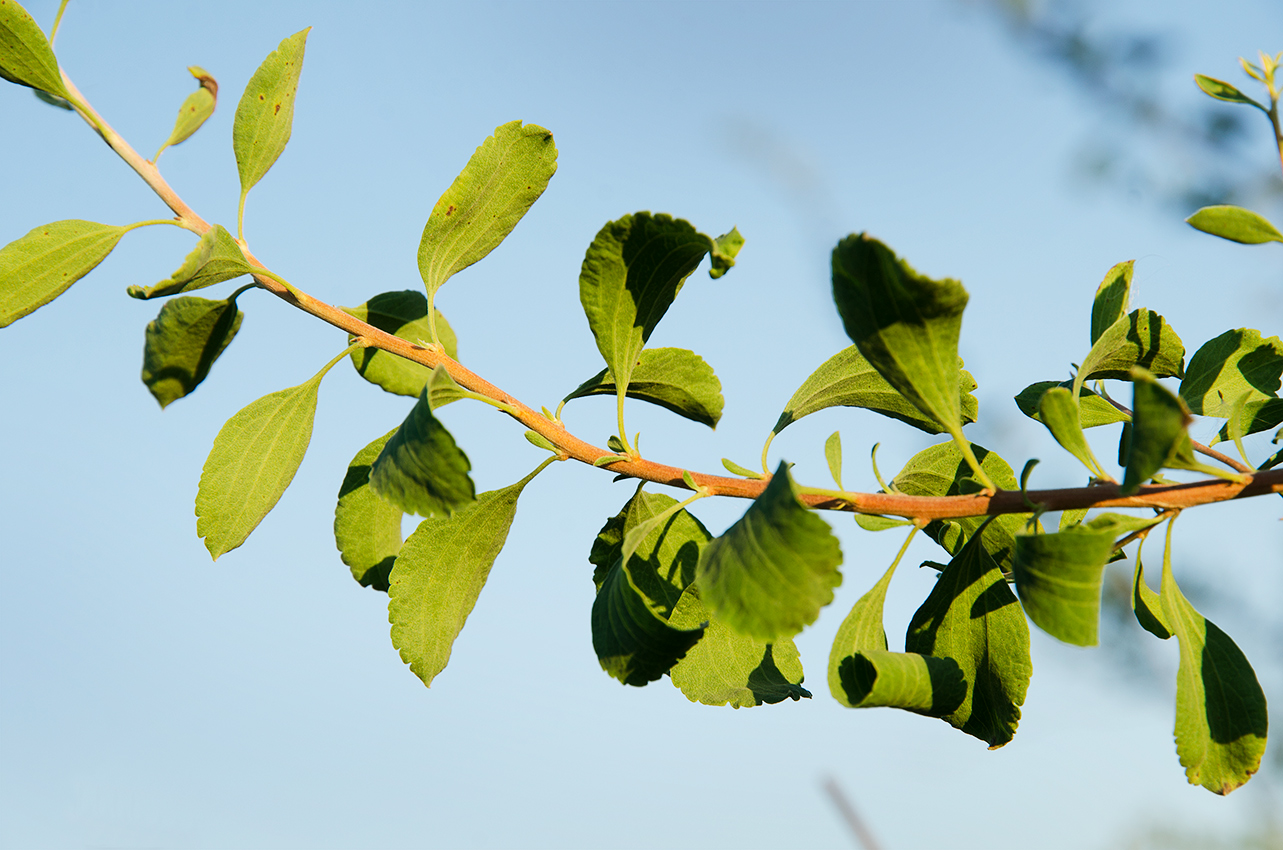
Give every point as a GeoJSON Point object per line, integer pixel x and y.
{"type": "Point", "coordinates": [1158, 434]}
{"type": "Point", "coordinates": [25, 55]}
{"type": "Point", "coordinates": [1224, 368]}
{"type": "Point", "coordinates": [195, 110]}
{"type": "Point", "coordinates": [1141, 338]}
{"type": "Point", "coordinates": [1235, 224]}
{"type": "Point", "coordinates": [847, 379]}
{"type": "Point", "coordinates": [216, 258]}
{"type": "Point", "coordinates": [265, 114]}
{"type": "Point", "coordinates": [1056, 410]}
{"type": "Point", "coordinates": [504, 177]}
{"type": "Point", "coordinates": [1112, 297]}
{"type": "Point", "coordinates": [941, 470]}
{"type": "Point", "coordinates": [253, 460]}
{"type": "Point", "coordinates": [631, 273]}
{"type": "Point", "coordinates": [906, 325]}
{"type": "Point", "coordinates": [771, 572]}
{"type": "Point", "coordinates": [39, 267]}
{"type": "Point", "coordinates": [1058, 576]}
{"type": "Point", "coordinates": [367, 529]}
{"type": "Point", "coordinates": [404, 314]}
{"type": "Point", "coordinates": [422, 470]}
{"type": "Point", "coordinates": [972, 616]}
{"type": "Point", "coordinates": [1222, 90]}
{"type": "Point", "coordinates": [1221, 718]}
{"type": "Point", "coordinates": [182, 343]}
{"type": "Point", "coordinates": [439, 573]}
{"type": "Point", "coordinates": [1093, 410]}
{"type": "Point", "coordinates": [673, 378]}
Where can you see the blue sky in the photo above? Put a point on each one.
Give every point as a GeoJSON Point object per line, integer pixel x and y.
{"type": "Point", "coordinates": [152, 698]}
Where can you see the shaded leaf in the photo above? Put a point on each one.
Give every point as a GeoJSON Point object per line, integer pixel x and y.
{"type": "Point", "coordinates": [1221, 718]}
{"type": "Point", "coordinates": [1222, 90]}
{"type": "Point", "coordinates": [1112, 297]}
{"type": "Point", "coordinates": [443, 389]}
{"type": "Point", "coordinates": [906, 325]}
{"type": "Point", "coordinates": [1147, 606]}
{"type": "Point", "coordinates": [253, 460]}
{"type": "Point", "coordinates": [673, 378]}
{"type": "Point", "coordinates": [439, 573]}
{"type": "Point", "coordinates": [183, 342]}
{"type": "Point", "coordinates": [1257, 415]}
{"type": "Point", "coordinates": [195, 110]}
{"type": "Point", "coordinates": [633, 644]}
{"type": "Point", "coordinates": [1235, 224]}
{"type": "Point", "coordinates": [631, 273]}
{"type": "Point", "coordinates": [216, 258]}
{"type": "Point", "coordinates": [1234, 363]}
{"type": "Point", "coordinates": [1141, 338]}
{"type": "Point", "coordinates": [25, 55]}
{"type": "Point", "coordinates": [421, 470]}
{"type": "Point", "coordinates": [771, 572]}
{"type": "Point", "coordinates": [1093, 410]}
{"type": "Point", "coordinates": [972, 617]}
{"type": "Point", "coordinates": [265, 114]}
{"type": "Point", "coordinates": [403, 314]}
{"type": "Point", "coordinates": [1157, 434]}
{"type": "Point", "coordinates": [367, 529]}
{"type": "Point", "coordinates": [39, 267]}
{"type": "Point", "coordinates": [504, 177]}
{"type": "Point", "coordinates": [847, 379]}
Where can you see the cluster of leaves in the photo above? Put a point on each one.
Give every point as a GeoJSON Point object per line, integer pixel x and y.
{"type": "Point", "coordinates": [716, 614]}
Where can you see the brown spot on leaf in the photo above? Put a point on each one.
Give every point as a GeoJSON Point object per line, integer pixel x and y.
{"type": "Point", "coordinates": [276, 109]}
{"type": "Point", "coordinates": [449, 209]}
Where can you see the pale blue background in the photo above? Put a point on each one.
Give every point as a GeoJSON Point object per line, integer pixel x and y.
{"type": "Point", "coordinates": [150, 698]}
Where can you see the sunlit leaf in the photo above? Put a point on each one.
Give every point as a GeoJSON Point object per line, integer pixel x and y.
{"type": "Point", "coordinates": [1141, 338]}
{"type": "Point", "coordinates": [1234, 363]}
{"type": "Point", "coordinates": [833, 456]}
{"type": "Point", "coordinates": [216, 258]}
{"type": "Point", "coordinates": [506, 175]}
{"type": "Point", "coordinates": [673, 378]}
{"type": "Point", "coordinates": [1222, 90]}
{"type": "Point", "coordinates": [873, 522]}
{"type": "Point", "coordinates": [1056, 410]}
{"type": "Point", "coordinates": [439, 573]}
{"type": "Point", "coordinates": [1093, 410]}
{"type": "Point", "coordinates": [724, 251]}
{"type": "Point", "coordinates": [367, 529]}
{"type": "Point", "coordinates": [422, 470]}
{"type": "Point", "coordinates": [403, 314]}
{"type": "Point", "coordinates": [1257, 415]}
{"type": "Point", "coordinates": [25, 55]}
{"type": "Point", "coordinates": [1112, 297]}
{"type": "Point", "coordinates": [847, 379]}
{"type": "Point", "coordinates": [40, 266]}
{"type": "Point", "coordinates": [265, 114]}
{"type": "Point", "coordinates": [771, 572]}
{"type": "Point", "coordinates": [195, 110]}
{"type": "Point", "coordinates": [1235, 224]}
{"type": "Point", "coordinates": [972, 617]}
{"type": "Point", "coordinates": [1147, 606]}
{"type": "Point", "coordinates": [1158, 432]}
{"type": "Point", "coordinates": [183, 342]}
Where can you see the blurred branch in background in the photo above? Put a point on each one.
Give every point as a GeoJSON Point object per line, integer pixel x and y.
{"type": "Point", "coordinates": [1150, 140]}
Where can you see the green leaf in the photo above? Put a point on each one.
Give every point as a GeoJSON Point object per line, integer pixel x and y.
{"type": "Point", "coordinates": [1056, 410]}
{"type": "Point", "coordinates": [1141, 338]}
{"type": "Point", "coordinates": [941, 470]}
{"type": "Point", "coordinates": [833, 455]}
{"type": "Point", "coordinates": [25, 55]}
{"type": "Point", "coordinates": [735, 469]}
{"type": "Point", "coordinates": [1147, 606]}
{"type": "Point", "coordinates": [1158, 434]}
{"type": "Point", "coordinates": [1058, 576]}
{"type": "Point", "coordinates": [725, 249]}
{"type": "Point", "coordinates": [727, 668]}
{"type": "Point", "coordinates": [1112, 297]}
{"type": "Point", "coordinates": [863, 674]}
{"type": "Point", "coordinates": [1093, 410]}
{"type": "Point", "coordinates": [421, 470]}
{"type": "Point", "coordinates": [216, 258]}
{"type": "Point", "coordinates": [367, 530]}
{"type": "Point", "coordinates": [631, 273]}
{"type": "Point", "coordinates": [972, 617]}
{"type": "Point", "coordinates": [183, 342]}
{"type": "Point", "coordinates": [1234, 363]}
{"type": "Point", "coordinates": [771, 572]}
{"type": "Point", "coordinates": [1235, 224]}
{"type": "Point", "coordinates": [646, 558]}
{"type": "Point", "coordinates": [195, 110]}
{"type": "Point", "coordinates": [905, 324]}
{"type": "Point", "coordinates": [403, 314]}
{"type": "Point", "coordinates": [1224, 91]}
{"type": "Point", "coordinates": [1221, 718]}
{"type": "Point", "coordinates": [253, 460]}
{"type": "Point", "coordinates": [439, 573]}
{"type": "Point", "coordinates": [40, 266]}
{"type": "Point", "coordinates": [442, 389]}
{"type": "Point", "coordinates": [874, 522]}
{"type": "Point", "coordinates": [847, 379]}
{"type": "Point", "coordinates": [674, 378]}
{"type": "Point", "coordinates": [505, 176]}
{"type": "Point", "coordinates": [1258, 415]}
{"type": "Point", "coordinates": [265, 114]}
